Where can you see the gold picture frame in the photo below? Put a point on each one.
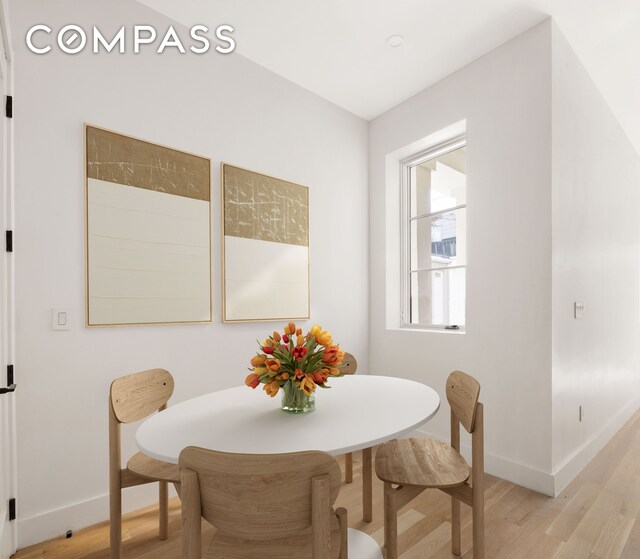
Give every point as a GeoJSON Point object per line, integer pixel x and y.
{"type": "Point", "coordinates": [265, 247]}
{"type": "Point", "coordinates": [147, 232]}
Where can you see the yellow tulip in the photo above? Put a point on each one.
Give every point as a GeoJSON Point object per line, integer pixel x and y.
{"type": "Point", "coordinates": [324, 338]}
{"type": "Point", "coordinates": [258, 360]}
{"type": "Point", "coordinates": [307, 386]}
{"type": "Point", "coordinates": [300, 340]}
{"type": "Point", "coordinates": [272, 388]}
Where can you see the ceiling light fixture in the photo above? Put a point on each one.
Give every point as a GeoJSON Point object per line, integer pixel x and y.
{"type": "Point", "coordinates": [394, 41]}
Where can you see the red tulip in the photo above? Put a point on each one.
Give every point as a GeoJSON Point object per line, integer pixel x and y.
{"type": "Point", "coordinates": [299, 352]}
{"type": "Point", "coordinates": [252, 380]}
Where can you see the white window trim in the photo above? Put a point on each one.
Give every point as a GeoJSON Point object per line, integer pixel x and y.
{"type": "Point", "coordinates": [405, 221]}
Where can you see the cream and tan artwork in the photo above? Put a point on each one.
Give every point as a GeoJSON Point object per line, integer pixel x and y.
{"type": "Point", "coordinates": [148, 232]}
{"type": "Point", "coordinates": [266, 247]}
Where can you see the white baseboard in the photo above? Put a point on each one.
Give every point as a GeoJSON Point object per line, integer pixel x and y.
{"type": "Point", "coordinates": [551, 484]}
{"type": "Point", "coordinates": [506, 469]}
{"type": "Point", "coordinates": [575, 463]}
{"type": "Point", "coordinates": [55, 523]}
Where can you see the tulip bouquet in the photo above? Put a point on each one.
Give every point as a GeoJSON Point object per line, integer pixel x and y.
{"type": "Point", "coordinates": [296, 363]}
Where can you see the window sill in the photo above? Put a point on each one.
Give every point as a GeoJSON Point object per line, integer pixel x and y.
{"type": "Point", "coordinates": [426, 329]}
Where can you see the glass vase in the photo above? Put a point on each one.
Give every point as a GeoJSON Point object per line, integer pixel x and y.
{"type": "Point", "coordinates": [295, 400]}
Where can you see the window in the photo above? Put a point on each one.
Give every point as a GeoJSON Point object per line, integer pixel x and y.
{"type": "Point", "coordinates": [434, 223]}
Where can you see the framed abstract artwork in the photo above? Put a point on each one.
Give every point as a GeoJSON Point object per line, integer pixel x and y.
{"type": "Point", "coordinates": [148, 232]}
{"type": "Point", "coordinates": [265, 246]}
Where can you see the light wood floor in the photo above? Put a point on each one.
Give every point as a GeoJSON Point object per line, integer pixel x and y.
{"type": "Point", "coordinates": [596, 517]}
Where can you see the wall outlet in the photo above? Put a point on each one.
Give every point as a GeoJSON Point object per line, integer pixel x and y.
{"type": "Point", "coordinates": [578, 310]}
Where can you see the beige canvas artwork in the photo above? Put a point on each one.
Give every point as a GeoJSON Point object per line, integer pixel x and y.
{"type": "Point", "coordinates": [148, 232]}
{"type": "Point", "coordinates": [266, 247]}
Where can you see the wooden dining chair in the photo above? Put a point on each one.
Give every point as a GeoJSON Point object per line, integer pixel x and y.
{"type": "Point", "coordinates": [131, 398]}
{"type": "Point", "coordinates": [349, 366]}
{"type": "Point", "coordinates": [270, 506]}
{"type": "Point", "coordinates": [409, 466]}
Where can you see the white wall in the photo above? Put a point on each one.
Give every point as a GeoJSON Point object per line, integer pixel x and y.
{"type": "Point", "coordinates": [505, 97]}
{"type": "Point", "coordinates": [596, 250]}
{"type": "Point", "coordinates": [222, 107]}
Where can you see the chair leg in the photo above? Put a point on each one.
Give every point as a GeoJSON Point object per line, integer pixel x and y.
{"type": "Point", "coordinates": [455, 526]}
{"type": "Point", "coordinates": [478, 528]}
{"type": "Point", "coordinates": [163, 502]}
{"type": "Point", "coordinates": [348, 467]}
{"type": "Point", "coordinates": [191, 514]}
{"type": "Point", "coordinates": [115, 524]}
{"type": "Point", "coordinates": [341, 513]}
{"type": "Point", "coordinates": [390, 523]}
{"type": "Point", "coordinates": [367, 485]}
{"type": "Point", "coordinates": [477, 480]}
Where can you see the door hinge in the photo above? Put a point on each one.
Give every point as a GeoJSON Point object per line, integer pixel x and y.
{"type": "Point", "coordinates": [9, 241]}
{"type": "Point", "coordinates": [8, 107]}
{"type": "Point", "coordinates": [11, 387]}
{"type": "Point", "coordinates": [12, 509]}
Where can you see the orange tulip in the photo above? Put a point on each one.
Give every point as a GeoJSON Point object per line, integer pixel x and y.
{"type": "Point", "coordinates": [290, 328]}
{"type": "Point", "coordinates": [258, 360]}
{"type": "Point", "coordinates": [284, 376]}
{"type": "Point", "coordinates": [333, 355]}
{"type": "Point", "coordinates": [272, 388]}
{"type": "Point", "coordinates": [298, 373]}
{"type": "Point", "coordinates": [307, 386]}
{"type": "Point", "coordinates": [320, 377]}
{"type": "Point", "coordinates": [276, 336]}
{"type": "Point", "coordinates": [299, 332]}
{"type": "Point", "coordinates": [252, 380]}
{"type": "Point", "coordinates": [300, 340]}
{"type": "Point", "coordinates": [272, 365]}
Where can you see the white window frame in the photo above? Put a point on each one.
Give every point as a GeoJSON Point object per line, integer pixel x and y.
{"type": "Point", "coordinates": [405, 230]}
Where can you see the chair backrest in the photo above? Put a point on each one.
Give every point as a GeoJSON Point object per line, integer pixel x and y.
{"type": "Point", "coordinates": [259, 497]}
{"type": "Point", "coordinates": [134, 397]}
{"type": "Point", "coordinates": [462, 393]}
{"type": "Point", "coordinates": [349, 364]}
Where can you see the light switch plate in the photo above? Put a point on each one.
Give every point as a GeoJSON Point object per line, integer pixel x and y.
{"type": "Point", "coordinates": [60, 319]}
{"type": "Point", "coordinates": [578, 310]}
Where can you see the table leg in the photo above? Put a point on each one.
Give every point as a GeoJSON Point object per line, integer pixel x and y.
{"type": "Point", "coordinates": [367, 485]}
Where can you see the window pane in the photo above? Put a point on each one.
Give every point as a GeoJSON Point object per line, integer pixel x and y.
{"type": "Point", "coordinates": [439, 241]}
{"type": "Point", "coordinates": [439, 184]}
{"type": "Point", "coordinates": [437, 297]}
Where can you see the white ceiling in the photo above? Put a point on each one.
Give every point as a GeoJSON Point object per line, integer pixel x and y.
{"type": "Point", "coordinates": [338, 48]}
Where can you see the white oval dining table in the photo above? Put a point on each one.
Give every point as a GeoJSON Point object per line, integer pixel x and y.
{"type": "Point", "coordinates": [356, 413]}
